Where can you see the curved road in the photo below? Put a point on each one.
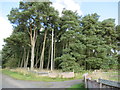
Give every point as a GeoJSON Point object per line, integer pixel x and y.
{"type": "Point", "coordinates": [8, 82]}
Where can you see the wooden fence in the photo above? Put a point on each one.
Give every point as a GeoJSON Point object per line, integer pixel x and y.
{"type": "Point", "coordinates": [100, 84]}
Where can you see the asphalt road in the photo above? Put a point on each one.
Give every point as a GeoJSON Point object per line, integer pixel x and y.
{"type": "Point", "coordinates": [8, 82]}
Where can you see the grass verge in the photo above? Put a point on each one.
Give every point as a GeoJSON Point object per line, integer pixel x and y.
{"type": "Point", "coordinates": [80, 86]}
{"type": "Point", "coordinates": [34, 77]}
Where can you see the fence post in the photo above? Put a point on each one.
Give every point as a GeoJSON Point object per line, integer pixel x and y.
{"type": "Point", "coordinates": [100, 84]}
{"type": "Point", "coordinates": [85, 79]}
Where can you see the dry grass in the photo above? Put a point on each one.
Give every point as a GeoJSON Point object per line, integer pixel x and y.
{"type": "Point", "coordinates": [45, 70]}
{"type": "Point", "coordinates": [20, 70]}
{"type": "Point", "coordinates": [22, 74]}
{"type": "Point", "coordinates": [24, 70]}
{"type": "Point", "coordinates": [110, 75]}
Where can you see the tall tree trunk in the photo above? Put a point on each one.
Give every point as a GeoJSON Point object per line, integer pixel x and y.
{"type": "Point", "coordinates": [32, 56]}
{"type": "Point", "coordinates": [22, 62]}
{"type": "Point", "coordinates": [37, 49]}
{"type": "Point", "coordinates": [33, 38]}
{"type": "Point", "coordinates": [38, 58]}
{"type": "Point", "coordinates": [52, 51]}
{"type": "Point", "coordinates": [27, 59]}
{"type": "Point", "coordinates": [19, 64]}
{"type": "Point", "coordinates": [24, 57]}
{"type": "Point", "coordinates": [48, 58]}
{"type": "Point", "coordinates": [43, 49]}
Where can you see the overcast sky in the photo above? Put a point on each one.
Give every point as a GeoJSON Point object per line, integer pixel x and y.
{"type": "Point", "coordinates": [104, 8]}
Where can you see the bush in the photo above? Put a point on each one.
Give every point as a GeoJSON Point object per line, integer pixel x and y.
{"type": "Point", "coordinates": [10, 63]}
{"type": "Point", "coordinates": [68, 63]}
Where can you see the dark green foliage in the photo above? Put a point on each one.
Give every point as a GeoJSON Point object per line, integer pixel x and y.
{"type": "Point", "coordinates": [68, 63]}
{"type": "Point", "coordinates": [92, 44]}
{"type": "Point", "coordinates": [79, 42]}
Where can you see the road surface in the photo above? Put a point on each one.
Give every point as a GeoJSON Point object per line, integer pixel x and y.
{"type": "Point", "coordinates": [8, 82]}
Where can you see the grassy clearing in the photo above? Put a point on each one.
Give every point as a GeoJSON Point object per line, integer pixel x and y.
{"type": "Point", "coordinates": [22, 74]}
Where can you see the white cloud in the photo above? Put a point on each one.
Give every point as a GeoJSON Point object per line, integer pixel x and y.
{"type": "Point", "coordinates": [99, 0]}
{"type": "Point", "coordinates": [68, 4]}
{"type": "Point", "coordinates": [5, 30]}
{"type": "Point", "coordinates": [10, 0]}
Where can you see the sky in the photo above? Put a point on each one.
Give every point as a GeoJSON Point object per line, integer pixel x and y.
{"type": "Point", "coordinates": [105, 8]}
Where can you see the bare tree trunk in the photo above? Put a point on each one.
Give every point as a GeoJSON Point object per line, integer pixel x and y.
{"type": "Point", "coordinates": [32, 56]}
{"type": "Point", "coordinates": [22, 62]}
{"type": "Point", "coordinates": [18, 64]}
{"type": "Point", "coordinates": [33, 38]}
{"type": "Point", "coordinates": [38, 58]}
{"type": "Point", "coordinates": [27, 59]}
{"type": "Point", "coordinates": [24, 57]}
{"type": "Point", "coordinates": [52, 51]}
{"type": "Point", "coordinates": [37, 63]}
{"type": "Point", "coordinates": [43, 49]}
{"type": "Point", "coordinates": [37, 49]}
{"type": "Point", "coordinates": [48, 58]}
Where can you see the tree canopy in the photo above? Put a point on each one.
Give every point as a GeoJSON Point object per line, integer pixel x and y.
{"type": "Point", "coordinates": [43, 39]}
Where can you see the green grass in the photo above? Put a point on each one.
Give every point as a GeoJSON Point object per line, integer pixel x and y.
{"type": "Point", "coordinates": [34, 77]}
{"type": "Point", "coordinates": [80, 86]}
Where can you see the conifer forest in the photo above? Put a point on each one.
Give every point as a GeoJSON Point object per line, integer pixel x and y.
{"type": "Point", "coordinates": [44, 39]}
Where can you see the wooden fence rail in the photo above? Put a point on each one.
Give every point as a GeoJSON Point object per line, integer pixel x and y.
{"type": "Point", "coordinates": [110, 83]}
{"type": "Point", "coordinates": [100, 84]}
